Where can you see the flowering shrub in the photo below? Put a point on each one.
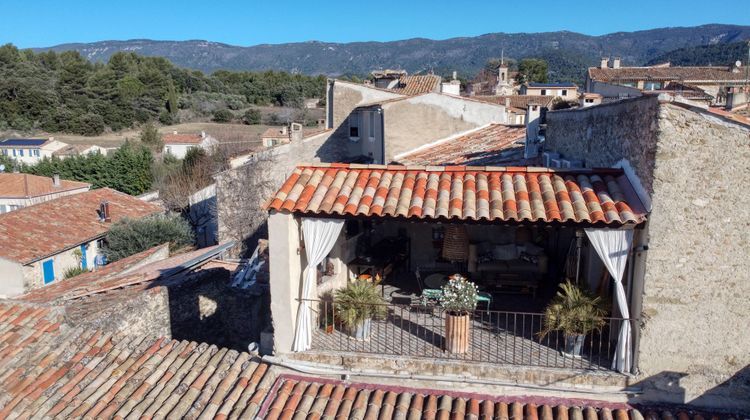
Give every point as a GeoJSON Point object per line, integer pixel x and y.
{"type": "Point", "coordinates": [459, 296]}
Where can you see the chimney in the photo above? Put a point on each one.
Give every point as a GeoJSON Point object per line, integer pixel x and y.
{"type": "Point", "coordinates": [51, 139]}
{"type": "Point", "coordinates": [296, 134]}
{"type": "Point", "coordinates": [56, 180]}
{"type": "Point", "coordinates": [455, 75]}
{"type": "Point", "coordinates": [533, 114]}
{"type": "Point", "coordinates": [174, 132]}
{"type": "Point", "coordinates": [203, 134]}
{"type": "Point", "coordinates": [284, 129]}
{"type": "Point", "coordinates": [507, 102]}
{"type": "Point", "coordinates": [604, 63]}
{"type": "Point", "coordinates": [616, 63]}
{"type": "Point", "coordinates": [104, 215]}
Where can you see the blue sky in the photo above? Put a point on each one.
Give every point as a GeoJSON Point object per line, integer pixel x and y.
{"type": "Point", "coordinates": [37, 23]}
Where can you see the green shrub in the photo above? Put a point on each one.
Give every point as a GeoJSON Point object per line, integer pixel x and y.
{"type": "Point", "coordinates": [131, 236]}
{"type": "Point", "coordinates": [223, 116]}
{"type": "Point", "coordinates": [74, 271]}
{"type": "Point", "coordinates": [251, 117]}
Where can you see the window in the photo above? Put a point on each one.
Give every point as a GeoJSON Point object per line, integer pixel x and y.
{"type": "Point", "coordinates": [36, 152]}
{"type": "Point", "coordinates": [564, 92]}
{"type": "Point", "coordinates": [14, 152]}
{"type": "Point", "coordinates": [372, 125]}
{"type": "Point", "coordinates": [544, 92]}
{"type": "Point", "coordinates": [48, 268]}
{"type": "Point", "coordinates": [652, 86]}
{"type": "Point", "coordinates": [20, 152]}
{"type": "Point", "coordinates": [354, 125]}
{"type": "Point", "coordinates": [589, 101]}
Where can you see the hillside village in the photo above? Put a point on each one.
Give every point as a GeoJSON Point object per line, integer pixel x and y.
{"type": "Point", "coordinates": [497, 248]}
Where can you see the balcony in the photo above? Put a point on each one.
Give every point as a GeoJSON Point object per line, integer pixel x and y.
{"type": "Point", "coordinates": [498, 337]}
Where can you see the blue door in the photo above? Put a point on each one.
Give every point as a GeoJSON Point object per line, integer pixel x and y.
{"type": "Point", "coordinates": [49, 271]}
{"type": "Point", "coordinates": [84, 263]}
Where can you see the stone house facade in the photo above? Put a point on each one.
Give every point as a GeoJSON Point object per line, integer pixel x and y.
{"type": "Point", "coordinates": [693, 309]}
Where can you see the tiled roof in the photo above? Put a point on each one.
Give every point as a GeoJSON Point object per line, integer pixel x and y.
{"type": "Point", "coordinates": [552, 85]}
{"type": "Point", "coordinates": [73, 150]}
{"type": "Point", "coordinates": [274, 132]}
{"type": "Point", "coordinates": [22, 142]}
{"type": "Point", "coordinates": [687, 74]}
{"type": "Point", "coordinates": [483, 146]}
{"type": "Point", "coordinates": [16, 185]}
{"type": "Point", "coordinates": [518, 101]}
{"type": "Point", "coordinates": [134, 271]}
{"type": "Point", "coordinates": [586, 196]}
{"type": "Point", "coordinates": [92, 280]}
{"type": "Point", "coordinates": [301, 397]}
{"type": "Point", "coordinates": [173, 138]}
{"type": "Point", "coordinates": [417, 84]}
{"type": "Point", "coordinates": [50, 369]}
{"type": "Point", "coordinates": [45, 229]}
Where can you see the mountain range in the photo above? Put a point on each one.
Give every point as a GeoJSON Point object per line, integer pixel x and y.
{"type": "Point", "coordinates": [568, 53]}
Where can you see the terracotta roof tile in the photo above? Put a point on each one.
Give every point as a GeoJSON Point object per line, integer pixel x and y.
{"type": "Point", "coordinates": [587, 196]}
{"type": "Point", "coordinates": [300, 397]}
{"type": "Point", "coordinates": [72, 372]}
{"type": "Point", "coordinates": [417, 84]}
{"type": "Point", "coordinates": [520, 102]}
{"type": "Point", "coordinates": [487, 145]}
{"type": "Point", "coordinates": [45, 229]}
{"type": "Point", "coordinates": [685, 74]}
{"type": "Point", "coordinates": [185, 138]}
{"type": "Point", "coordinates": [17, 185]}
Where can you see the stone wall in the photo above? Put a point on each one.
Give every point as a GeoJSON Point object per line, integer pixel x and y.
{"type": "Point", "coordinates": [604, 134]}
{"type": "Point", "coordinates": [697, 282]}
{"type": "Point", "coordinates": [426, 118]}
{"type": "Point", "coordinates": [694, 166]}
{"type": "Point", "coordinates": [242, 191]}
{"type": "Point", "coordinates": [200, 308]}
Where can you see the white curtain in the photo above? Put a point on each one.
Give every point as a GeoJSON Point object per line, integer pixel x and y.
{"type": "Point", "coordinates": [319, 235]}
{"type": "Point", "coordinates": [613, 246]}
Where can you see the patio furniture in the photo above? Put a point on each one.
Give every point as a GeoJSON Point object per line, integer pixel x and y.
{"type": "Point", "coordinates": [486, 298]}
{"type": "Point", "coordinates": [435, 281]}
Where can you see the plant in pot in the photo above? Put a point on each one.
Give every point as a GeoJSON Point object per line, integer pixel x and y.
{"type": "Point", "coordinates": [357, 305]}
{"type": "Point", "coordinates": [576, 313]}
{"type": "Point", "coordinates": [459, 299]}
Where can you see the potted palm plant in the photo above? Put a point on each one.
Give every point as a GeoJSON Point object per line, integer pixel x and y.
{"type": "Point", "coordinates": [459, 299]}
{"type": "Point", "coordinates": [576, 313]}
{"type": "Point", "coordinates": [356, 305]}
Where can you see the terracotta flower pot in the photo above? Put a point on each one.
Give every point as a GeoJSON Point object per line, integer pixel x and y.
{"type": "Point", "coordinates": [457, 333]}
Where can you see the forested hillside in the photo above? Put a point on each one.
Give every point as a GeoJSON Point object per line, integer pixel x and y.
{"type": "Point", "coordinates": [705, 55]}
{"type": "Point", "coordinates": [64, 92]}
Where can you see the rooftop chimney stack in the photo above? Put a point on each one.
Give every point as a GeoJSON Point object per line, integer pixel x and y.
{"type": "Point", "coordinates": [455, 75]}
{"type": "Point", "coordinates": [203, 134]}
{"type": "Point", "coordinates": [604, 63]}
{"type": "Point", "coordinates": [616, 63]}
{"type": "Point", "coordinates": [56, 180]}
{"type": "Point", "coordinates": [284, 130]}
{"type": "Point", "coordinates": [174, 132]}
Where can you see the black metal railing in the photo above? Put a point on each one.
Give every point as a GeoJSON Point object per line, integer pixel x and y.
{"type": "Point", "coordinates": [418, 330]}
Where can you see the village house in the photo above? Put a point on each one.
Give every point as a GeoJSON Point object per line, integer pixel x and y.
{"type": "Point", "coordinates": [517, 106]}
{"type": "Point", "coordinates": [178, 144]}
{"type": "Point", "coordinates": [589, 99]}
{"type": "Point", "coordinates": [616, 225]}
{"type": "Point", "coordinates": [689, 161]}
{"type": "Point", "coordinates": [710, 84]}
{"type": "Point", "coordinates": [565, 91]}
{"type": "Point", "coordinates": [294, 132]}
{"type": "Point", "coordinates": [43, 240]}
{"type": "Point", "coordinates": [21, 190]}
{"type": "Point", "coordinates": [80, 150]}
{"type": "Point", "coordinates": [30, 151]}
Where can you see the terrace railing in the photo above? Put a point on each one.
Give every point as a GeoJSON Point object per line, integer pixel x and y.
{"type": "Point", "coordinates": [495, 337]}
